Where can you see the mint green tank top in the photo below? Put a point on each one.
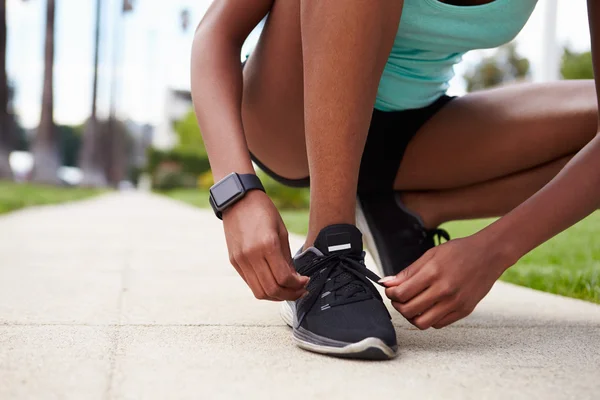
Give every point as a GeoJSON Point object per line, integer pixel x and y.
{"type": "Point", "coordinates": [432, 37]}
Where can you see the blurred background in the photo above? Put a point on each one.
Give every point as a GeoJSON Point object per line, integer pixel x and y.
{"type": "Point", "coordinates": [95, 96]}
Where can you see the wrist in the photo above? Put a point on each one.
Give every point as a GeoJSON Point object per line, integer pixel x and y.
{"type": "Point", "coordinates": [502, 251]}
{"type": "Point", "coordinates": [224, 170]}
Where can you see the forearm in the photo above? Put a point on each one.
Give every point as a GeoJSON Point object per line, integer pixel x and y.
{"type": "Point", "coordinates": [217, 81]}
{"type": "Point", "coordinates": [571, 196]}
{"type": "Point", "coordinates": [217, 95]}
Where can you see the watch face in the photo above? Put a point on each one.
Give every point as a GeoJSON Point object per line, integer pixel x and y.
{"type": "Point", "coordinates": [226, 190]}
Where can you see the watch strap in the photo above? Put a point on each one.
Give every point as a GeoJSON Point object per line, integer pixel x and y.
{"type": "Point", "coordinates": [251, 182]}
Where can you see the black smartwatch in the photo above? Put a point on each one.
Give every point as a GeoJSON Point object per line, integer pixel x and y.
{"type": "Point", "coordinates": [231, 189]}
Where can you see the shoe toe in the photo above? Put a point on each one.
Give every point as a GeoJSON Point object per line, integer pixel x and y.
{"type": "Point", "coordinates": [353, 324]}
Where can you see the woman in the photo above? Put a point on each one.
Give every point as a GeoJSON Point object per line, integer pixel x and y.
{"type": "Point", "coordinates": [353, 97]}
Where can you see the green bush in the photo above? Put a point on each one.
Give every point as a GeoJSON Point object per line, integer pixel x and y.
{"type": "Point", "coordinates": [577, 65]}
{"type": "Point", "coordinates": [166, 179]}
{"type": "Point", "coordinates": [190, 162]}
{"type": "Point", "coordinates": [176, 168]}
{"type": "Point", "coordinates": [189, 137]}
{"type": "Point", "coordinates": [285, 197]}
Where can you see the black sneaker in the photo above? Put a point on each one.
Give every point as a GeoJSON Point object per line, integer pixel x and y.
{"type": "Point", "coordinates": [343, 314]}
{"type": "Point", "coordinates": [394, 236]}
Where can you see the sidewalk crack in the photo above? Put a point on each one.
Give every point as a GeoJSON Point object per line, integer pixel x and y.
{"type": "Point", "coordinates": [125, 284]}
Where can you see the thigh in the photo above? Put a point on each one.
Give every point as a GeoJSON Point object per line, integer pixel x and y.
{"type": "Point", "coordinates": [494, 133]}
{"type": "Point", "coordinates": [273, 101]}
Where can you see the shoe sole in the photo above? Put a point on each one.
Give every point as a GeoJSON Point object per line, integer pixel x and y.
{"type": "Point", "coordinates": [363, 226]}
{"type": "Point", "coordinates": [367, 349]}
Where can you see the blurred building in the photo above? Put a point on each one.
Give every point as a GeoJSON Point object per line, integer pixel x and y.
{"type": "Point", "coordinates": [177, 104]}
{"type": "Point", "coordinates": [141, 138]}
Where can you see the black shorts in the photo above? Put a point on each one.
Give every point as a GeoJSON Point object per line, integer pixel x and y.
{"type": "Point", "coordinates": [389, 136]}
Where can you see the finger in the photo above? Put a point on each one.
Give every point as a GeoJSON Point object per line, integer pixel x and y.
{"type": "Point", "coordinates": [285, 246]}
{"type": "Point", "coordinates": [433, 315]}
{"type": "Point", "coordinates": [238, 269]}
{"type": "Point", "coordinates": [448, 320]}
{"type": "Point", "coordinates": [285, 276]}
{"type": "Point", "coordinates": [411, 288]}
{"type": "Point", "coordinates": [280, 265]}
{"type": "Point", "coordinates": [418, 305]}
{"type": "Point", "coordinates": [407, 273]}
{"type": "Point", "coordinates": [254, 282]}
{"type": "Point", "coordinates": [271, 287]}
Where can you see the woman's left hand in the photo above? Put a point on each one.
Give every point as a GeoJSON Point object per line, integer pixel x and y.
{"type": "Point", "coordinates": [446, 283]}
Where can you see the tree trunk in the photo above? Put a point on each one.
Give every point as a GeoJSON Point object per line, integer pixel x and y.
{"type": "Point", "coordinates": [89, 159]}
{"type": "Point", "coordinates": [116, 132]}
{"type": "Point", "coordinates": [5, 117]}
{"type": "Point", "coordinates": [45, 148]}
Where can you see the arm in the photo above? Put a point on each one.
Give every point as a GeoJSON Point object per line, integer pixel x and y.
{"type": "Point", "coordinates": [571, 196]}
{"type": "Point", "coordinates": [217, 81]}
{"type": "Point", "coordinates": [448, 282]}
{"type": "Point", "coordinates": [256, 237]}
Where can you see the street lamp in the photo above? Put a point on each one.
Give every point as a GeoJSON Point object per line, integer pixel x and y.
{"type": "Point", "coordinates": [550, 68]}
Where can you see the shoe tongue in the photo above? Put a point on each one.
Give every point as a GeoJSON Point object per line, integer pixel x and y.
{"type": "Point", "coordinates": [339, 239]}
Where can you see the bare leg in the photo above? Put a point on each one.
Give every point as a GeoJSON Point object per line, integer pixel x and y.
{"type": "Point", "coordinates": [489, 199]}
{"type": "Point", "coordinates": [495, 133]}
{"type": "Point", "coordinates": [339, 93]}
{"type": "Point", "coordinates": [273, 100]}
{"type": "Point", "coordinates": [510, 143]}
{"type": "Point", "coordinates": [514, 133]}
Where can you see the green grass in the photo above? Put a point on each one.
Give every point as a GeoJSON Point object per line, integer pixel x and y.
{"type": "Point", "coordinates": [195, 197]}
{"type": "Point", "coordinates": [14, 196]}
{"type": "Point", "coordinates": [568, 264]}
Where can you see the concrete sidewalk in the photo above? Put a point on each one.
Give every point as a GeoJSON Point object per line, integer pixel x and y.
{"type": "Point", "coordinates": [130, 296]}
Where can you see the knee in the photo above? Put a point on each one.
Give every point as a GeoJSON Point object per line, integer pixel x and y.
{"type": "Point", "coordinates": [582, 110]}
{"type": "Point", "coordinates": [585, 100]}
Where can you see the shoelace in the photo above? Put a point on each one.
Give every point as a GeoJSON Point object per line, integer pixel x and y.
{"type": "Point", "coordinates": [327, 268]}
{"type": "Point", "coordinates": [439, 234]}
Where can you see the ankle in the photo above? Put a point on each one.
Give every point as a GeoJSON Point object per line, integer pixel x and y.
{"type": "Point", "coordinates": [419, 204]}
{"type": "Point", "coordinates": [314, 228]}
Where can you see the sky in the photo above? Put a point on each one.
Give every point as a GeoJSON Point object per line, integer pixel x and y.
{"type": "Point", "coordinates": [153, 54]}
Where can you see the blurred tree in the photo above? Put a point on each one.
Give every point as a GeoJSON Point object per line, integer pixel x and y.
{"type": "Point", "coordinates": [5, 120]}
{"type": "Point", "coordinates": [45, 147]}
{"type": "Point", "coordinates": [577, 65]}
{"type": "Point", "coordinates": [504, 66]}
{"type": "Point", "coordinates": [127, 5]}
{"type": "Point", "coordinates": [116, 135]}
{"type": "Point", "coordinates": [21, 138]}
{"type": "Point", "coordinates": [189, 137]}
{"type": "Point", "coordinates": [69, 143]}
{"type": "Point", "coordinates": [90, 158]}
{"type": "Point", "coordinates": [114, 149]}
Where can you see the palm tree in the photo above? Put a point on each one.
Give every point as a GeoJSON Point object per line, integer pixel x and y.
{"type": "Point", "coordinates": [5, 117]}
{"type": "Point", "coordinates": [45, 147]}
{"type": "Point", "coordinates": [90, 162]}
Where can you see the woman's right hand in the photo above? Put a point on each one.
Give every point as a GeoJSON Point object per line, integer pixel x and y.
{"type": "Point", "coordinates": [259, 249]}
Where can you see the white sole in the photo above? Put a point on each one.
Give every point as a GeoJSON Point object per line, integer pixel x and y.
{"type": "Point", "coordinates": [363, 226]}
{"type": "Point", "coordinates": [369, 348]}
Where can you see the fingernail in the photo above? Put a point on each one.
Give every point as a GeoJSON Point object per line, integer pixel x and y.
{"type": "Point", "coordinates": [304, 295]}
{"type": "Point", "coordinates": [386, 279]}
